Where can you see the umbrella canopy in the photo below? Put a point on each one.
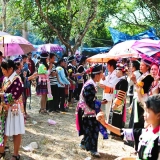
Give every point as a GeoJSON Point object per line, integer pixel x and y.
{"type": "Point", "coordinates": [123, 50]}
{"type": "Point", "coordinates": [15, 45]}
{"type": "Point", "coordinates": [49, 48]}
{"type": "Point", "coordinates": [3, 34]}
{"type": "Point", "coordinates": [99, 58]}
{"type": "Point", "coordinates": [133, 48]}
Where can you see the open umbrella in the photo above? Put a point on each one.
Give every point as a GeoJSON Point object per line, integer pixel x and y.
{"type": "Point", "coordinates": [99, 58]}
{"type": "Point", "coordinates": [15, 45]}
{"type": "Point", "coordinates": [3, 34]}
{"type": "Point", "coordinates": [49, 48]}
{"type": "Point", "coordinates": [133, 48]}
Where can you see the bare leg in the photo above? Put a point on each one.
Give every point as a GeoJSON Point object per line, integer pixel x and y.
{"type": "Point", "coordinates": [17, 143]}
{"type": "Point", "coordinates": [2, 147]}
{"type": "Point", "coordinates": [43, 101]}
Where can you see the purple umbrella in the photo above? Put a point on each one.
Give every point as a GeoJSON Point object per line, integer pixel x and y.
{"type": "Point", "coordinates": [49, 48]}
{"type": "Point", "coordinates": [15, 45]}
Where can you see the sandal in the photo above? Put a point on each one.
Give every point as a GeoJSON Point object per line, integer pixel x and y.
{"type": "Point", "coordinates": [16, 157]}
{"type": "Point", "coordinates": [43, 111]}
{"type": "Point", "coordinates": [2, 155]}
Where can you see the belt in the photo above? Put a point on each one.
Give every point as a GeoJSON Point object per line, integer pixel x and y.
{"type": "Point", "coordinates": [87, 115]}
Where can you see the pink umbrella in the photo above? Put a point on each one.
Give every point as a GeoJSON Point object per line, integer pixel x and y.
{"type": "Point", "coordinates": [133, 48]}
{"type": "Point", "coordinates": [49, 48]}
{"type": "Point", "coordinates": [15, 45]}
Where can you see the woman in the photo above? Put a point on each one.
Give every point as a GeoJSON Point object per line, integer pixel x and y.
{"type": "Point", "coordinates": [142, 86]}
{"type": "Point", "coordinates": [12, 118]}
{"type": "Point", "coordinates": [135, 70]}
{"type": "Point", "coordinates": [154, 89]}
{"type": "Point", "coordinates": [43, 79]}
{"type": "Point", "coordinates": [86, 110]}
{"type": "Point", "coordinates": [148, 146]}
{"type": "Point", "coordinates": [26, 82]}
{"type": "Point", "coordinates": [118, 106]}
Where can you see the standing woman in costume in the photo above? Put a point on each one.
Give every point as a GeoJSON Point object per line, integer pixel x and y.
{"type": "Point", "coordinates": [86, 110]}
{"type": "Point", "coordinates": [12, 117]}
{"type": "Point", "coordinates": [119, 103]}
{"type": "Point", "coordinates": [154, 89]}
{"type": "Point", "coordinates": [43, 78]}
{"type": "Point", "coordinates": [142, 86]}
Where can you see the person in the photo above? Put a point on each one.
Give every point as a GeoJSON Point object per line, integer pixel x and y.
{"type": "Point", "coordinates": [155, 87]}
{"type": "Point", "coordinates": [43, 87]}
{"type": "Point", "coordinates": [81, 79]}
{"type": "Point", "coordinates": [135, 70]}
{"type": "Point", "coordinates": [31, 63]}
{"type": "Point", "coordinates": [52, 105]}
{"type": "Point", "coordinates": [148, 145]}
{"type": "Point", "coordinates": [61, 85]}
{"type": "Point", "coordinates": [108, 83]}
{"type": "Point", "coordinates": [12, 117]}
{"type": "Point", "coordinates": [142, 84]}
{"type": "Point", "coordinates": [119, 102]}
{"type": "Point", "coordinates": [26, 82]}
{"type": "Point", "coordinates": [86, 110]}
{"type": "Point", "coordinates": [73, 77]}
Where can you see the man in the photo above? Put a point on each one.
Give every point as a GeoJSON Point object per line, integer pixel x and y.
{"type": "Point", "coordinates": [61, 86]}
{"type": "Point", "coordinates": [108, 85]}
{"type": "Point", "coordinates": [52, 105]}
{"type": "Point", "coordinates": [72, 76]}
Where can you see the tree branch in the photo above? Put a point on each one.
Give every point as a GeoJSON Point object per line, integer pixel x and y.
{"type": "Point", "coordinates": [50, 25]}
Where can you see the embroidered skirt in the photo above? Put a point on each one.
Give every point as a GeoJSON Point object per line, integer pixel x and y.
{"type": "Point", "coordinates": [42, 88]}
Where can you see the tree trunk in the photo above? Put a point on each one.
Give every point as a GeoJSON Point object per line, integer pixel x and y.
{"type": "Point", "coordinates": [4, 7]}
{"type": "Point", "coordinates": [24, 30]}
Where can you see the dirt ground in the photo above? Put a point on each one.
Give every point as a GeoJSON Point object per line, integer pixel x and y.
{"type": "Point", "coordinates": [61, 141]}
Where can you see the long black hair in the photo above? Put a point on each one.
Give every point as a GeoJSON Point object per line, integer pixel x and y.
{"type": "Point", "coordinates": [7, 64]}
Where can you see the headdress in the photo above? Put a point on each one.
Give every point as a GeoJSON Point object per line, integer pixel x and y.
{"type": "Point", "coordinates": [122, 67]}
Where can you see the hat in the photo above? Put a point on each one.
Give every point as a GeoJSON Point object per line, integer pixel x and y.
{"type": "Point", "coordinates": [17, 60]}
{"type": "Point", "coordinates": [44, 55]}
{"type": "Point", "coordinates": [147, 62]}
{"type": "Point", "coordinates": [122, 67]}
{"type": "Point", "coordinates": [96, 69]}
{"type": "Point", "coordinates": [71, 58]}
{"type": "Point", "coordinates": [83, 58]}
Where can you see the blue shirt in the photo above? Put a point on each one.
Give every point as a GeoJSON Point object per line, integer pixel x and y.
{"type": "Point", "coordinates": [62, 76]}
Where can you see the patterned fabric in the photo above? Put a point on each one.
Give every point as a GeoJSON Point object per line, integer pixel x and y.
{"type": "Point", "coordinates": [86, 122]}
{"type": "Point", "coordinates": [13, 88]}
{"type": "Point", "coordinates": [149, 141]}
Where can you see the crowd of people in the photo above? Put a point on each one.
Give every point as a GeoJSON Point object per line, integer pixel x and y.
{"type": "Point", "coordinates": [69, 80]}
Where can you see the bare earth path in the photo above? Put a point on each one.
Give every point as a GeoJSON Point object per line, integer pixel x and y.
{"type": "Point", "coordinates": [60, 141]}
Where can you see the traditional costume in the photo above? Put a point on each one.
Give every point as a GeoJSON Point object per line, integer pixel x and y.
{"type": "Point", "coordinates": [149, 141]}
{"type": "Point", "coordinates": [11, 107]}
{"type": "Point", "coordinates": [137, 120]}
{"type": "Point", "coordinates": [73, 80]}
{"type": "Point", "coordinates": [119, 112]}
{"type": "Point", "coordinates": [110, 82]}
{"type": "Point", "coordinates": [86, 111]}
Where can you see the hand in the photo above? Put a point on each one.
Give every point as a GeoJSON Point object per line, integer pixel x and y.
{"type": "Point", "coordinates": [133, 78]}
{"type": "Point", "coordinates": [104, 101]}
{"type": "Point", "coordinates": [35, 74]}
{"type": "Point", "coordinates": [114, 106]}
{"type": "Point", "coordinates": [130, 109]}
{"type": "Point", "coordinates": [102, 86]}
{"type": "Point", "coordinates": [101, 117]}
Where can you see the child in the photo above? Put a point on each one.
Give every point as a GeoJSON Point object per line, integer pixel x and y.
{"type": "Point", "coordinates": [149, 138]}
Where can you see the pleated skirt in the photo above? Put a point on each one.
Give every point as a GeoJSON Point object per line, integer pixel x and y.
{"type": "Point", "coordinates": [14, 123]}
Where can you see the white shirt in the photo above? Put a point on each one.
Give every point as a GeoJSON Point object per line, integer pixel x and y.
{"type": "Point", "coordinates": [130, 82]}
{"type": "Point", "coordinates": [111, 80]}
